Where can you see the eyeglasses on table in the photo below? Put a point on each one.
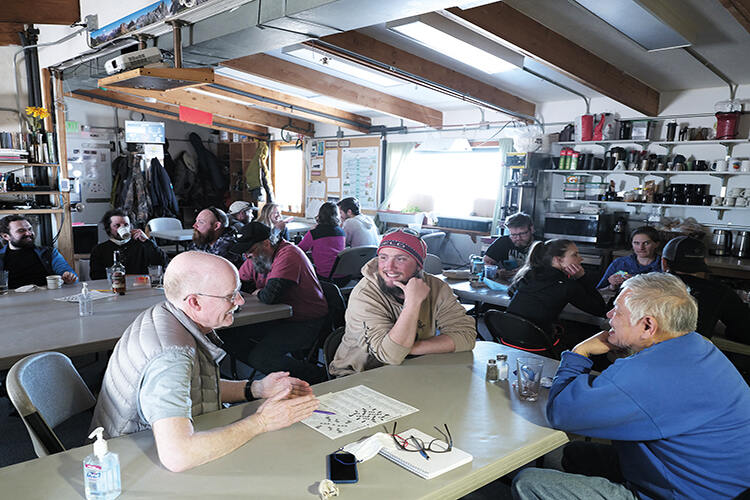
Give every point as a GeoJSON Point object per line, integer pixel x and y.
{"type": "Point", "coordinates": [414, 444]}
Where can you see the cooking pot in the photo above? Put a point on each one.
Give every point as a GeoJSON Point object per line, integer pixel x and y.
{"type": "Point", "coordinates": [741, 247]}
{"type": "Point", "coordinates": [721, 242]}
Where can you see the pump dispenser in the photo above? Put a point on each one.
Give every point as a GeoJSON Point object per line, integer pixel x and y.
{"type": "Point", "coordinates": [101, 470]}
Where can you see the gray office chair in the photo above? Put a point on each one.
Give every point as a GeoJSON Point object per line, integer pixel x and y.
{"type": "Point", "coordinates": [433, 264]}
{"type": "Point", "coordinates": [47, 390]}
{"type": "Point", "coordinates": [348, 265]}
{"type": "Point", "coordinates": [331, 344]}
{"type": "Point", "coordinates": [434, 242]}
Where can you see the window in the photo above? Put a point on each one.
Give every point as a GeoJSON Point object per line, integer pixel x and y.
{"type": "Point", "coordinates": [448, 183]}
{"type": "Point", "coordinates": [289, 175]}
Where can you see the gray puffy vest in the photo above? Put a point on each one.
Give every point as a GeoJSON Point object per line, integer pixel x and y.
{"type": "Point", "coordinates": [155, 330]}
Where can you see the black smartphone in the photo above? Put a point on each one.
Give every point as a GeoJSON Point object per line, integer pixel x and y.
{"type": "Point", "coordinates": [342, 468]}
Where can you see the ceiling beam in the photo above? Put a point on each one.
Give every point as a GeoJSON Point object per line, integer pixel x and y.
{"type": "Point", "coordinates": [9, 33]}
{"type": "Point", "coordinates": [740, 9]}
{"type": "Point", "coordinates": [166, 111]}
{"type": "Point", "coordinates": [64, 12]}
{"type": "Point", "coordinates": [423, 69]}
{"type": "Point", "coordinates": [544, 45]}
{"type": "Point", "coordinates": [300, 76]}
{"type": "Point", "coordinates": [214, 104]}
{"type": "Point", "coordinates": [271, 99]}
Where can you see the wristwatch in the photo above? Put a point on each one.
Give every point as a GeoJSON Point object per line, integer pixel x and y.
{"type": "Point", "coordinates": [249, 391]}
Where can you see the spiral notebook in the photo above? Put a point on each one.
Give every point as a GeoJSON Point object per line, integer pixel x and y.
{"type": "Point", "coordinates": [439, 463]}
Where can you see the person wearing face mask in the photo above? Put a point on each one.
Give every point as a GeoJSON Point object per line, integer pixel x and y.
{"type": "Point", "coordinates": [644, 259]}
{"type": "Point", "coordinates": [552, 278]}
{"type": "Point", "coordinates": [137, 251]}
{"type": "Point", "coordinates": [164, 371]}
{"type": "Point", "coordinates": [278, 272]}
{"type": "Point", "coordinates": [397, 310]}
{"type": "Point", "coordinates": [26, 263]}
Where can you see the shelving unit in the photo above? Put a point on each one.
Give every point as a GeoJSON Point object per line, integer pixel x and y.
{"type": "Point", "coordinates": [238, 155]}
{"type": "Point", "coordinates": [729, 144]}
{"type": "Point", "coordinates": [57, 209]}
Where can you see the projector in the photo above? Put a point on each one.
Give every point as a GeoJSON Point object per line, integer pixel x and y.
{"type": "Point", "coordinates": [133, 60]}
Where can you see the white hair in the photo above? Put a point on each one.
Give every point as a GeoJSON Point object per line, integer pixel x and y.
{"type": "Point", "coordinates": [666, 298]}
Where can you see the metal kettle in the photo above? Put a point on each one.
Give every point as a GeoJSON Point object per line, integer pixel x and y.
{"type": "Point", "coordinates": [741, 247]}
{"type": "Point", "coordinates": [721, 242]}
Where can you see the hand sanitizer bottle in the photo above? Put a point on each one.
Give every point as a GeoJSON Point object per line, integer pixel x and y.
{"type": "Point", "coordinates": [85, 305]}
{"type": "Point", "coordinates": [101, 470]}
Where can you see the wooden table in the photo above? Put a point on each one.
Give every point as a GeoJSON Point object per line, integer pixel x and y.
{"type": "Point", "coordinates": [34, 322]}
{"type": "Point", "coordinates": [483, 294]}
{"type": "Point", "coordinates": [485, 419]}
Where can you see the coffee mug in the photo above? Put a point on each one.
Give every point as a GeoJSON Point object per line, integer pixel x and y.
{"type": "Point", "coordinates": [740, 202]}
{"type": "Point", "coordinates": [54, 281]}
{"type": "Point", "coordinates": [719, 166]}
{"type": "Point", "coordinates": [729, 201]}
{"type": "Point", "coordinates": [717, 201]}
{"type": "Point", "coordinates": [745, 166]}
{"type": "Point", "coordinates": [734, 165]}
{"type": "Point", "coordinates": [123, 231]}
{"type": "Point", "coordinates": [735, 192]}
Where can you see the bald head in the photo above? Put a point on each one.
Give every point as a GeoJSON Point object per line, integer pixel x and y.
{"type": "Point", "coordinates": [197, 272]}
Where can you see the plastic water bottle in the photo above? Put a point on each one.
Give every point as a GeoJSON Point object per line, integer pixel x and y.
{"type": "Point", "coordinates": [101, 470]}
{"type": "Point", "coordinates": [85, 305]}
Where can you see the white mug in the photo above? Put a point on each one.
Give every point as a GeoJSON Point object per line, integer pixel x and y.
{"type": "Point", "coordinates": [123, 231]}
{"type": "Point", "coordinates": [54, 281]}
{"type": "Point", "coordinates": [734, 165]}
{"type": "Point", "coordinates": [741, 202]}
{"type": "Point", "coordinates": [735, 192]}
{"type": "Point", "coordinates": [729, 201]}
{"type": "Point", "coordinates": [717, 201]}
{"type": "Point", "coordinates": [745, 166]}
{"type": "Point", "coordinates": [719, 166]}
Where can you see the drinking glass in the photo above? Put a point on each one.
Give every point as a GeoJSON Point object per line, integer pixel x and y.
{"type": "Point", "coordinates": [155, 273]}
{"type": "Point", "coordinates": [529, 376]}
{"type": "Point", "coordinates": [3, 282]}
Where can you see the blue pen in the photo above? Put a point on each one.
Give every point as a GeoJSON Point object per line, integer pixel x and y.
{"type": "Point", "coordinates": [420, 448]}
{"type": "Point", "coordinates": [324, 412]}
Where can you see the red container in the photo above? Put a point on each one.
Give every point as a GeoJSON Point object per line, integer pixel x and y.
{"type": "Point", "coordinates": [726, 125]}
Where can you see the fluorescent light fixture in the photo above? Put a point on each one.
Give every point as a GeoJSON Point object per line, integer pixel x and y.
{"type": "Point", "coordinates": [442, 145]}
{"type": "Point", "coordinates": [343, 66]}
{"type": "Point", "coordinates": [458, 42]}
{"type": "Point", "coordinates": [638, 21]}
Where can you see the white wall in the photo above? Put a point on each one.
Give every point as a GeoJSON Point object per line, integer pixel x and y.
{"type": "Point", "coordinates": [9, 120]}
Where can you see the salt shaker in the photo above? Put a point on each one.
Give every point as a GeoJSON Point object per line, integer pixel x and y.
{"type": "Point", "coordinates": [502, 367]}
{"type": "Point", "coordinates": [492, 373]}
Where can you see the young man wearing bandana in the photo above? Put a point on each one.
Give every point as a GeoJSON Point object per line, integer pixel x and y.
{"type": "Point", "coordinates": [397, 310]}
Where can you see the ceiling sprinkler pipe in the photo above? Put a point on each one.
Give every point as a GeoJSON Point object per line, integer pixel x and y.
{"type": "Point", "coordinates": [714, 70]}
{"type": "Point", "coordinates": [564, 87]}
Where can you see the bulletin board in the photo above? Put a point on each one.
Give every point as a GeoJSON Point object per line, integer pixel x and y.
{"type": "Point", "coordinates": [340, 168]}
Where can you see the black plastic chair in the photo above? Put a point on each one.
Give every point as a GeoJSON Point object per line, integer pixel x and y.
{"type": "Point", "coordinates": [348, 265]}
{"type": "Point", "coordinates": [335, 318]}
{"type": "Point", "coordinates": [434, 242]}
{"type": "Point", "coordinates": [520, 333]}
{"type": "Point", "coordinates": [330, 346]}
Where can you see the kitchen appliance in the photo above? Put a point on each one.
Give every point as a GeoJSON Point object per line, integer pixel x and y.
{"type": "Point", "coordinates": [585, 228]}
{"type": "Point", "coordinates": [721, 242]}
{"type": "Point", "coordinates": [741, 247]}
{"type": "Point", "coordinates": [518, 187]}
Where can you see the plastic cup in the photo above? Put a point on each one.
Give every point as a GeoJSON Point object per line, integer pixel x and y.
{"type": "Point", "coordinates": [529, 375]}
{"type": "Point", "coordinates": [490, 271]}
{"type": "Point", "coordinates": [155, 274]}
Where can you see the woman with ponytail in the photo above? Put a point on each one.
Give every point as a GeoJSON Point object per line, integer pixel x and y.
{"type": "Point", "coordinates": [552, 278]}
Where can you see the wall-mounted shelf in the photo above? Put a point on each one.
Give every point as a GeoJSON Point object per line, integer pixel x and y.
{"type": "Point", "coordinates": [643, 173]}
{"type": "Point", "coordinates": [32, 211]}
{"type": "Point", "coordinates": [25, 164]}
{"type": "Point", "coordinates": [729, 144]}
{"type": "Point", "coordinates": [639, 205]}
{"type": "Point", "coordinates": [34, 193]}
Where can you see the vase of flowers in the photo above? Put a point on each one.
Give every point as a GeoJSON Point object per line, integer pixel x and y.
{"type": "Point", "coordinates": [35, 117]}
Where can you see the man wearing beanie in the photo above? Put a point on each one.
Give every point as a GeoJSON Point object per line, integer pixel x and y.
{"type": "Point", "coordinates": [685, 257]}
{"type": "Point", "coordinates": [397, 310]}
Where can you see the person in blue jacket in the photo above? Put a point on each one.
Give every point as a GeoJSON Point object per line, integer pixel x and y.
{"type": "Point", "coordinates": [676, 410]}
{"type": "Point", "coordinates": [644, 259]}
{"type": "Point", "coordinates": [26, 263]}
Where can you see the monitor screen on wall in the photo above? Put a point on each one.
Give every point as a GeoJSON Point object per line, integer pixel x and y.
{"type": "Point", "coordinates": [144, 132]}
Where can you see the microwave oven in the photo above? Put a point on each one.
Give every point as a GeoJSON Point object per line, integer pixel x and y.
{"type": "Point", "coordinates": [584, 228]}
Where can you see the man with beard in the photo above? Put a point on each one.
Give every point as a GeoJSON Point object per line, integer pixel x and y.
{"type": "Point", "coordinates": [509, 252]}
{"type": "Point", "coordinates": [26, 263]}
{"type": "Point", "coordinates": [212, 234]}
{"type": "Point", "coordinates": [240, 213]}
{"type": "Point", "coordinates": [278, 272]}
{"type": "Point", "coordinates": [137, 251]}
{"type": "Point", "coordinates": [164, 371]}
{"type": "Point", "coordinates": [396, 310]}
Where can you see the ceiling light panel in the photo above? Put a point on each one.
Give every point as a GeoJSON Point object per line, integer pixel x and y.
{"type": "Point", "coordinates": [342, 66]}
{"type": "Point", "coordinates": [458, 42]}
{"type": "Point", "coordinates": [638, 23]}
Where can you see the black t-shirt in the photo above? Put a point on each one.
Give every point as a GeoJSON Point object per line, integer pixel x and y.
{"type": "Point", "coordinates": [24, 268]}
{"type": "Point", "coordinates": [503, 249]}
{"type": "Point", "coordinates": [718, 302]}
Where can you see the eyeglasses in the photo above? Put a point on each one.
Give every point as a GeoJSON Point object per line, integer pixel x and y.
{"type": "Point", "coordinates": [231, 298]}
{"type": "Point", "coordinates": [411, 443]}
{"type": "Point", "coordinates": [521, 234]}
{"type": "Point", "coordinates": [403, 230]}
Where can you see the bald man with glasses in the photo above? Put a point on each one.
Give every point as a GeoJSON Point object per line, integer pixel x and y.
{"type": "Point", "coordinates": [164, 371]}
{"type": "Point", "coordinates": [509, 252]}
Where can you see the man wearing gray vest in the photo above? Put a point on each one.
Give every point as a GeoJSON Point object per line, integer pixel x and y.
{"type": "Point", "coordinates": [164, 371]}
